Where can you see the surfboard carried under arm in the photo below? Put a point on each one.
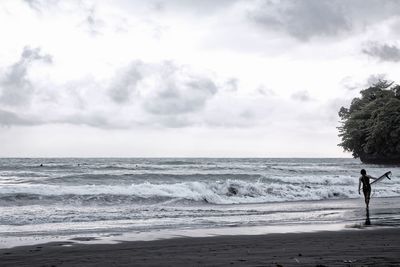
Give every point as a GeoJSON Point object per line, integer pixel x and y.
{"type": "Point", "coordinates": [385, 175]}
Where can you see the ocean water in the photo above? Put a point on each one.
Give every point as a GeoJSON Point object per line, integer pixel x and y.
{"type": "Point", "coordinates": [70, 197]}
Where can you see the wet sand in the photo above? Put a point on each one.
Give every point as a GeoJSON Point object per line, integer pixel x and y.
{"type": "Point", "coordinates": [355, 247]}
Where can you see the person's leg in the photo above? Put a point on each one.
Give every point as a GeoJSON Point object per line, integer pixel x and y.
{"type": "Point", "coordinates": [366, 196]}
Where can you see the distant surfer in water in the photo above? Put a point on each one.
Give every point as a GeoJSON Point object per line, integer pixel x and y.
{"type": "Point", "coordinates": [366, 186]}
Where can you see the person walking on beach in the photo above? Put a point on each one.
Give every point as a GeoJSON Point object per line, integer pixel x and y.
{"type": "Point", "coordinates": [364, 179]}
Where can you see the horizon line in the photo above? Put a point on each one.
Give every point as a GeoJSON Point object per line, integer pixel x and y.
{"type": "Point", "coordinates": [161, 157]}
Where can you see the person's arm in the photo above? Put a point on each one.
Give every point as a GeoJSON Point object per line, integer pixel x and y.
{"type": "Point", "coordinates": [359, 186]}
{"type": "Point", "coordinates": [373, 178]}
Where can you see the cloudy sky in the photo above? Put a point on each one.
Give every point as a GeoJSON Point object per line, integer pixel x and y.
{"type": "Point", "coordinates": [213, 78]}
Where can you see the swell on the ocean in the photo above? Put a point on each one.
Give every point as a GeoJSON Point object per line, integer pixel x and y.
{"type": "Point", "coordinates": [213, 192]}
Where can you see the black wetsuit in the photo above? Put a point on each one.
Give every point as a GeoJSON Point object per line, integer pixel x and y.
{"type": "Point", "coordinates": [366, 184]}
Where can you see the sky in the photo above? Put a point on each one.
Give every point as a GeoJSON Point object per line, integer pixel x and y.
{"type": "Point", "coordinates": [186, 78]}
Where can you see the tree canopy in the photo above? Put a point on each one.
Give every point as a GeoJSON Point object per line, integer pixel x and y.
{"type": "Point", "coordinates": [370, 127]}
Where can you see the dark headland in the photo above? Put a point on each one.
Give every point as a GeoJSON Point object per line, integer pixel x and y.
{"type": "Point", "coordinates": [370, 126]}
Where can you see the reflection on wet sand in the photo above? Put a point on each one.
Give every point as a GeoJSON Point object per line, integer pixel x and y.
{"type": "Point", "coordinates": [367, 220]}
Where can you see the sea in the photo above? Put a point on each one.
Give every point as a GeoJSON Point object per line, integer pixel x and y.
{"type": "Point", "coordinates": [144, 198]}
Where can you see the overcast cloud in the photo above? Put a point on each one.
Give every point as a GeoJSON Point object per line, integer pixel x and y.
{"type": "Point", "coordinates": [9, 118]}
{"type": "Point", "coordinates": [238, 77]}
{"type": "Point", "coordinates": [383, 52]}
{"type": "Point", "coordinates": [305, 19]}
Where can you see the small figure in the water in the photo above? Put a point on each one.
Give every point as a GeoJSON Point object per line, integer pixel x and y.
{"type": "Point", "coordinates": [364, 179]}
{"type": "Point", "coordinates": [41, 165]}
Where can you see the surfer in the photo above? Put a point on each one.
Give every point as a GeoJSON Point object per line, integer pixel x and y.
{"type": "Point", "coordinates": [364, 179]}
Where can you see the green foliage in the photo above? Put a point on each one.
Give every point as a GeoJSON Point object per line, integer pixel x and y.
{"type": "Point", "coordinates": [370, 127]}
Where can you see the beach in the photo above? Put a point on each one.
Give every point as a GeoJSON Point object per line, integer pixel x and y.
{"type": "Point", "coordinates": [356, 247]}
{"type": "Point", "coordinates": [195, 212]}
{"type": "Point", "coordinates": [318, 243]}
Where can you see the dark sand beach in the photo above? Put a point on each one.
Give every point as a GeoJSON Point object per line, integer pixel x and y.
{"type": "Point", "coordinates": [355, 247]}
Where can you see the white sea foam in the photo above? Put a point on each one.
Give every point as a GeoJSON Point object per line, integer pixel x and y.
{"type": "Point", "coordinates": [222, 192]}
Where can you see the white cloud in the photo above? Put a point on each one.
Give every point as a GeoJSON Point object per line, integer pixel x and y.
{"type": "Point", "coordinates": [15, 85]}
{"type": "Point", "coordinates": [178, 91]}
{"type": "Point", "coordinates": [302, 96]}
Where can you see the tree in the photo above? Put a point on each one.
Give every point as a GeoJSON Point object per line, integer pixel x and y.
{"type": "Point", "coordinates": [370, 127]}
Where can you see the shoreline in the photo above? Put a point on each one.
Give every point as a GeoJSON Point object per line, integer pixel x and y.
{"type": "Point", "coordinates": [354, 247]}
{"type": "Point", "coordinates": [164, 234]}
{"type": "Point", "coordinates": [309, 216]}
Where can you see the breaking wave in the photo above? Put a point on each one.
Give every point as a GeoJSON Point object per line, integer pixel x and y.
{"type": "Point", "coordinates": [216, 192]}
